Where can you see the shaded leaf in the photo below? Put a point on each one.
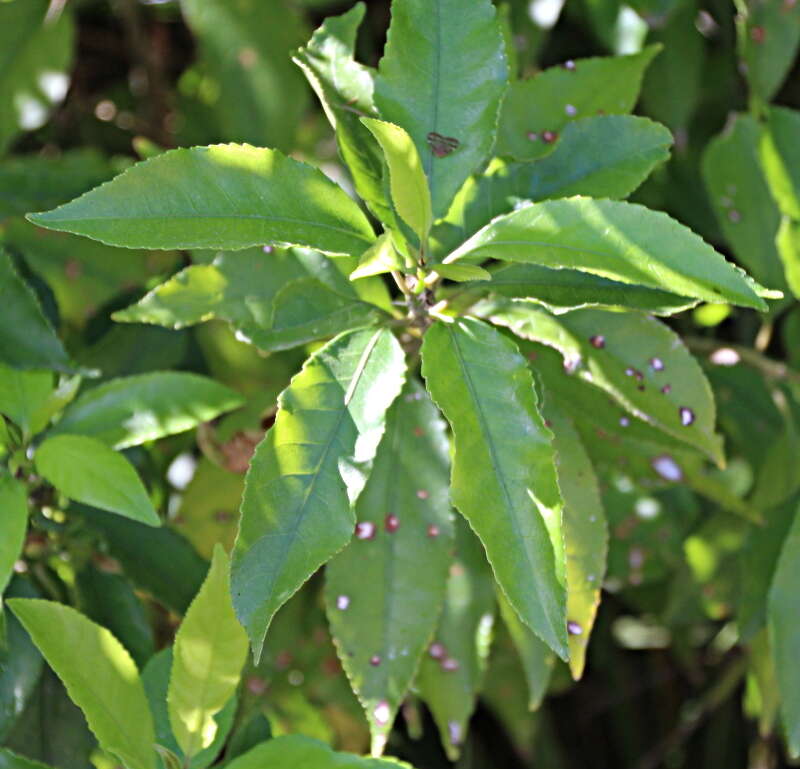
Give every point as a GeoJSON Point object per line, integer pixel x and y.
{"type": "Point", "coordinates": [615, 240]}
{"type": "Point", "coordinates": [9, 760]}
{"type": "Point", "coordinates": [86, 470]}
{"type": "Point", "coordinates": [384, 592]}
{"type": "Point", "coordinates": [102, 680]}
{"type": "Point", "coordinates": [444, 84]}
{"type": "Point", "coordinates": [227, 196]}
{"type": "Point", "coordinates": [309, 470]}
{"type": "Point", "coordinates": [504, 478]}
{"type": "Point", "coordinates": [13, 525]}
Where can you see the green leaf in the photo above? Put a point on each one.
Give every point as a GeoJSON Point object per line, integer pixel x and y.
{"type": "Point", "coordinates": [615, 240]}
{"type": "Point", "coordinates": [13, 525]}
{"type": "Point", "coordinates": [788, 244]}
{"type": "Point", "coordinates": [585, 533]}
{"type": "Point", "coordinates": [36, 55]}
{"type": "Point", "coordinates": [536, 657]}
{"type": "Point", "coordinates": [298, 752]}
{"type": "Point", "coordinates": [132, 410]}
{"type": "Point", "coordinates": [9, 760]}
{"type": "Point", "coordinates": [768, 37]}
{"type": "Point", "coordinates": [780, 158]}
{"type": "Point", "coordinates": [23, 394]}
{"type": "Point", "coordinates": [86, 470]}
{"type": "Point", "coordinates": [536, 110]}
{"type": "Point", "coordinates": [279, 300]}
{"type": "Point", "coordinates": [26, 338]}
{"type": "Point", "coordinates": [407, 181]}
{"type": "Point", "coordinates": [784, 632]}
{"type": "Point", "coordinates": [227, 196]}
{"type": "Point", "coordinates": [102, 680]}
{"type": "Point", "coordinates": [384, 592]}
{"type": "Point", "coordinates": [109, 600]}
{"type": "Point", "coordinates": [636, 359]}
{"type": "Point", "coordinates": [450, 673]}
{"type": "Point", "coordinates": [602, 157]}
{"type": "Point", "coordinates": [308, 471]}
{"type": "Point", "coordinates": [209, 652]}
{"type": "Point", "coordinates": [741, 199]}
{"type": "Point", "coordinates": [155, 678]}
{"type": "Point", "coordinates": [345, 89]}
{"type": "Point", "coordinates": [157, 560]}
{"type": "Point", "coordinates": [560, 290]}
{"type": "Point", "coordinates": [244, 57]}
{"type": "Point", "coordinates": [379, 258]}
{"type": "Point", "coordinates": [444, 84]}
{"type": "Point", "coordinates": [504, 478]}
{"type": "Point", "coordinates": [462, 272]}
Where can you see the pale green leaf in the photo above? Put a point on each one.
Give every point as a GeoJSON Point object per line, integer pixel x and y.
{"type": "Point", "coordinates": [385, 591]}
{"type": "Point", "coordinates": [87, 471]}
{"type": "Point", "coordinates": [585, 533]}
{"type": "Point", "coordinates": [741, 199]}
{"type": "Point", "coordinates": [379, 258]}
{"type": "Point", "coordinates": [345, 90]}
{"type": "Point", "coordinates": [461, 272]}
{"type": "Point", "coordinates": [536, 110]}
{"type": "Point", "coordinates": [788, 244]}
{"type": "Point", "coordinates": [132, 410]}
{"type": "Point", "coordinates": [504, 477]}
{"type": "Point", "coordinates": [23, 395]}
{"type": "Point", "coordinates": [536, 656]}
{"type": "Point", "coordinates": [616, 240]}
{"type": "Point", "coordinates": [208, 655]}
{"type": "Point", "coordinates": [603, 157]}
{"type": "Point", "coordinates": [35, 56]}
{"type": "Point", "coordinates": [308, 471]}
{"type": "Point", "coordinates": [298, 752]}
{"type": "Point", "coordinates": [784, 632]}
{"type": "Point", "coordinates": [227, 196]}
{"type": "Point", "coordinates": [451, 671]}
{"type": "Point", "coordinates": [780, 158]}
{"type": "Point", "coordinates": [442, 76]}
{"type": "Point", "coordinates": [407, 181]}
{"type": "Point", "coordinates": [27, 341]}
{"type": "Point", "coordinates": [99, 675]}
{"type": "Point", "coordinates": [636, 359]}
{"type": "Point", "coordinates": [13, 525]}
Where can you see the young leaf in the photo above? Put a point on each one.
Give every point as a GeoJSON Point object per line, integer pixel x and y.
{"type": "Point", "coordinates": [131, 410]}
{"type": "Point", "coordinates": [780, 158]}
{"type": "Point", "coordinates": [407, 181]}
{"type": "Point", "coordinates": [536, 657]}
{"type": "Point", "coordinates": [788, 243]}
{"type": "Point", "coordinates": [379, 258]}
{"type": "Point", "coordinates": [615, 240]}
{"type": "Point", "coordinates": [309, 470]}
{"type": "Point", "coordinates": [37, 51]}
{"type": "Point", "coordinates": [585, 533]}
{"type": "Point", "coordinates": [209, 651]}
{"type": "Point", "coordinates": [344, 88]}
{"type": "Point", "coordinates": [86, 470]}
{"type": "Point", "coordinates": [298, 752]}
{"type": "Point", "coordinates": [603, 157]}
{"type": "Point", "coordinates": [102, 679]}
{"type": "Point", "coordinates": [782, 610]}
{"type": "Point", "coordinates": [504, 478]}
{"type": "Point", "coordinates": [26, 338]}
{"type": "Point", "coordinates": [462, 272]}
{"type": "Point", "coordinates": [444, 87]}
{"type": "Point", "coordinates": [227, 196]}
{"type": "Point", "coordinates": [741, 199]}
{"type": "Point", "coordinates": [384, 592]}
{"type": "Point", "coordinates": [23, 394]}
{"type": "Point", "coordinates": [451, 671]}
{"type": "Point", "coordinates": [561, 290]}
{"type": "Point", "coordinates": [536, 110]}
{"type": "Point", "coordinates": [13, 525]}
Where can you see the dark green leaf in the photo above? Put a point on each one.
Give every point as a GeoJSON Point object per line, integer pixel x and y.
{"type": "Point", "coordinates": [9, 760]}
{"type": "Point", "coordinates": [384, 592]}
{"type": "Point", "coordinates": [309, 470]}
{"type": "Point", "coordinates": [444, 87]}
{"type": "Point", "coordinates": [504, 478]}
{"type": "Point", "coordinates": [13, 525]}
{"type": "Point", "coordinates": [227, 196]}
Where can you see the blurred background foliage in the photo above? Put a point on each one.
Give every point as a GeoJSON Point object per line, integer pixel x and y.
{"type": "Point", "coordinates": [679, 671]}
